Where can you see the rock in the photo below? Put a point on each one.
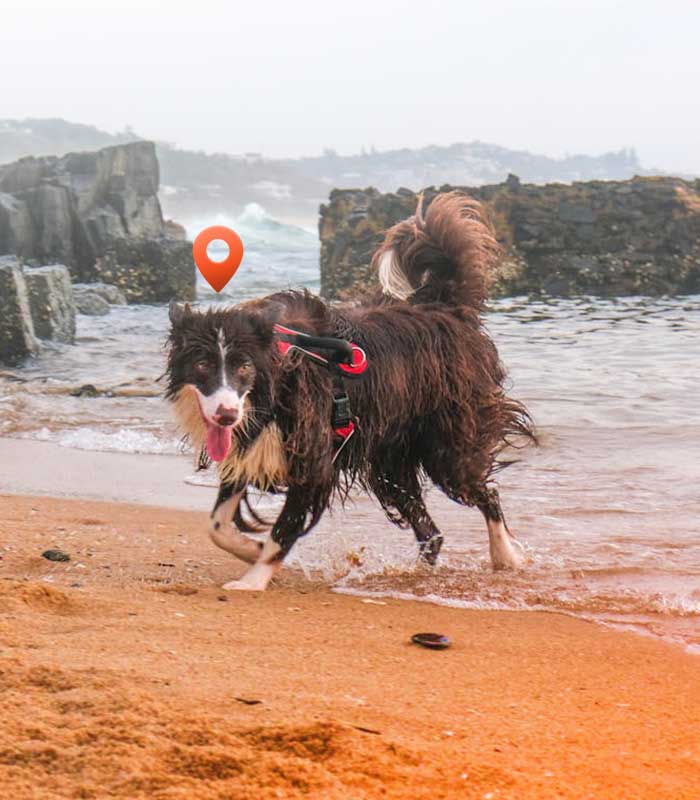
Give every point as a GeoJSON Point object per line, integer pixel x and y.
{"type": "Point", "coordinates": [51, 302]}
{"type": "Point", "coordinates": [149, 270]}
{"type": "Point", "coordinates": [513, 182]}
{"type": "Point", "coordinates": [55, 555]}
{"type": "Point", "coordinates": [605, 238]}
{"type": "Point", "coordinates": [16, 226]}
{"type": "Point", "coordinates": [86, 390]}
{"type": "Point", "coordinates": [17, 339]}
{"type": "Point", "coordinates": [174, 230]}
{"type": "Point", "coordinates": [112, 294]}
{"type": "Point", "coordinates": [51, 208]}
{"type": "Point", "coordinates": [572, 212]}
{"type": "Point", "coordinates": [72, 209]}
{"type": "Point", "coordinates": [91, 303]}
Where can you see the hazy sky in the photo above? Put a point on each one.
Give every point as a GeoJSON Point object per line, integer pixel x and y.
{"type": "Point", "coordinates": [290, 78]}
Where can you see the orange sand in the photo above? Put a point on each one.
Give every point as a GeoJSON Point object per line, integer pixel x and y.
{"type": "Point", "coordinates": [125, 676]}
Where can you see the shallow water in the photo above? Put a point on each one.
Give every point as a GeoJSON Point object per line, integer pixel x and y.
{"type": "Point", "coordinates": [608, 507]}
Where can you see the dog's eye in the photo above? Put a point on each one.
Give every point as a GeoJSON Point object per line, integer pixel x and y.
{"type": "Point", "coordinates": [246, 369]}
{"type": "Point", "coordinates": [202, 368]}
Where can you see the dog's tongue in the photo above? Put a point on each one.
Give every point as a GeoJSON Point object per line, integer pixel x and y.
{"type": "Point", "coordinates": [218, 441]}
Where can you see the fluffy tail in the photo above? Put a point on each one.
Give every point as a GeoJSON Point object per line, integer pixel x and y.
{"type": "Point", "coordinates": [445, 256]}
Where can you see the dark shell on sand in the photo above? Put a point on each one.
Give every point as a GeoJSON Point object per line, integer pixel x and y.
{"type": "Point", "coordinates": [433, 641]}
{"type": "Point", "coordinates": [55, 555]}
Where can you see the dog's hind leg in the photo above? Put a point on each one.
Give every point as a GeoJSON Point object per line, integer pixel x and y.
{"type": "Point", "coordinates": [411, 510]}
{"type": "Point", "coordinates": [223, 534]}
{"type": "Point", "coordinates": [506, 551]}
{"type": "Point", "coordinates": [427, 533]}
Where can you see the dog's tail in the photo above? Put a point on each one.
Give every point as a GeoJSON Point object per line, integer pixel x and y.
{"type": "Point", "coordinates": [446, 255]}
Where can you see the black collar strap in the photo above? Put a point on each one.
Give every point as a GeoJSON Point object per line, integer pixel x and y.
{"type": "Point", "coordinates": [327, 351]}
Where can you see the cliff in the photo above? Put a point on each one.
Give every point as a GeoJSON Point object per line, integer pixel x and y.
{"type": "Point", "coordinates": [639, 236]}
{"type": "Point", "coordinates": [76, 208]}
{"type": "Point", "coordinates": [83, 217]}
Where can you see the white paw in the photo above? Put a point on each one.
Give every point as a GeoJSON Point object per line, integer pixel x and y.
{"type": "Point", "coordinates": [255, 580]}
{"type": "Point", "coordinates": [510, 559]}
{"type": "Point", "coordinates": [242, 586]}
{"type": "Point", "coordinates": [506, 550]}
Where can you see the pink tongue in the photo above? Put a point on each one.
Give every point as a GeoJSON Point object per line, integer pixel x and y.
{"type": "Point", "coordinates": [218, 441]}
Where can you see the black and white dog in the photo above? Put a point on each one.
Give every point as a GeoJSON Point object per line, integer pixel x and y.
{"type": "Point", "coordinates": [431, 403]}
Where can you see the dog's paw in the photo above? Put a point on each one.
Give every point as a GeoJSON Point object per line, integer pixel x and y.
{"type": "Point", "coordinates": [255, 580]}
{"type": "Point", "coordinates": [507, 553]}
{"type": "Point", "coordinates": [243, 586]}
{"type": "Point", "coordinates": [513, 560]}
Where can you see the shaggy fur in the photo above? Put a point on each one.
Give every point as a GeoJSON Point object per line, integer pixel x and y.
{"type": "Point", "coordinates": [431, 404]}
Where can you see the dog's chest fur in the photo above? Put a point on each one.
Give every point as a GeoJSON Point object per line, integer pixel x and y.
{"type": "Point", "coordinates": [263, 463]}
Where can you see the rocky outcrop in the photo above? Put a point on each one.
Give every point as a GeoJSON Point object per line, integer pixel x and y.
{"type": "Point", "coordinates": [17, 339]}
{"type": "Point", "coordinates": [149, 271]}
{"type": "Point", "coordinates": [82, 207]}
{"type": "Point", "coordinates": [90, 303]}
{"type": "Point", "coordinates": [606, 238]}
{"type": "Point", "coordinates": [95, 299]}
{"type": "Point", "coordinates": [112, 295]}
{"type": "Point", "coordinates": [51, 302]}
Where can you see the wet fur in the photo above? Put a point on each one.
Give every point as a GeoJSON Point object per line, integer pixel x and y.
{"type": "Point", "coordinates": [430, 406]}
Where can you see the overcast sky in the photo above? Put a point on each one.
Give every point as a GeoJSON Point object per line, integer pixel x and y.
{"type": "Point", "coordinates": [290, 78]}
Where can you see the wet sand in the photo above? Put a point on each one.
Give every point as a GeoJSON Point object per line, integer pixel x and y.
{"type": "Point", "coordinates": [126, 672]}
{"type": "Point", "coordinates": [44, 468]}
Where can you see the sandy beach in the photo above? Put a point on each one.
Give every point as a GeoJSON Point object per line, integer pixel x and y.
{"type": "Point", "coordinates": [126, 672]}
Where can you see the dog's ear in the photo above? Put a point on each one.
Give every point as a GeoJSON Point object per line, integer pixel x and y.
{"type": "Point", "coordinates": [178, 313]}
{"type": "Point", "coordinates": [265, 317]}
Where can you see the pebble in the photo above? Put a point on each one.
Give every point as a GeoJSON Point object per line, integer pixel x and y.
{"type": "Point", "coordinates": [433, 641]}
{"type": "Point", "coordinates": [55, 555]}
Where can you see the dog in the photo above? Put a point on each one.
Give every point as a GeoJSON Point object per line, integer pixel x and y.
{"type": "Point", "coordinates": [430, 406]}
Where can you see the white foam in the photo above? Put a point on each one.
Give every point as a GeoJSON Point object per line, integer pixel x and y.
{"type": "Point", "coordinates": [121, 441]}
{"type": "Point", "coordinates": [438, 600]}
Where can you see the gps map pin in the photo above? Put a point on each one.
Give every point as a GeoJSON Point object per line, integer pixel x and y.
{"type": "Point", "coordinates": [217, 273]}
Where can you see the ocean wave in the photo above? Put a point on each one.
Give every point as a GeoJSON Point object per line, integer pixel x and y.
{"type": "Point", "coordinates": [276, 255]}
{"type": "Point", "coordinates": [122, 441]}
{"type": "Point", "coordinates": [257, 228]}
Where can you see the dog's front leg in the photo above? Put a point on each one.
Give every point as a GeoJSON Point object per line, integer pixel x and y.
{"type": "Point", "coordinates": [262, 572]}
{"type": "Point", "coordinates": [221, 531]}
{"type": "Point", "coordinates": [288, 527]}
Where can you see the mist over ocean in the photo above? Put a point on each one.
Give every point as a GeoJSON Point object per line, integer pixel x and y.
{"type": "Point", "coordinates": [607, 508]}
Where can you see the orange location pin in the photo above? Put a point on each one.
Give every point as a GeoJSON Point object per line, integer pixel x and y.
{"type": "Point", "coordinates": [217, 273]}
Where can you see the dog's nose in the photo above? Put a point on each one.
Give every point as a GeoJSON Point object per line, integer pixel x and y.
{"type": "Point", "coordinates": [226, 416]}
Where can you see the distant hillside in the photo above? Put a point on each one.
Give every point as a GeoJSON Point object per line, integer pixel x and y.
{"type": "Point", "coordinates": [195, 184]}
{"type": "Point", "coordinates": [53, 137]}
{"type": "Point", "coordinates": [473, 164]}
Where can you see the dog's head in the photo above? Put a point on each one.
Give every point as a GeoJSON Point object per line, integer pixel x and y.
{"type": "Point", "coordinates": [219, 368]}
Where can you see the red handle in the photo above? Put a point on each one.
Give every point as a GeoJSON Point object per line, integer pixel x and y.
{"type": "Point", "coordinates": [359, 361]}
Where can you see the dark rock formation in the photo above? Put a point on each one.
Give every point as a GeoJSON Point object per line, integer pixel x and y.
{"type": "Point", "coordinates": [17, 339]}
{"type": "Point", "coordinates": [78, 208]}
{"type": "Point", "coordinates": [90, 303]}
{"type": "Point", "coordinates": [51, 302]}
{"type": "Point", "coordinates": [110, 294]}
{"type": "Point", "coordinates": [174, 230]}
{"type": "Point", "coordinates": [640, 236]}
{"type": "Point", "coordinates": [149, 270]}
